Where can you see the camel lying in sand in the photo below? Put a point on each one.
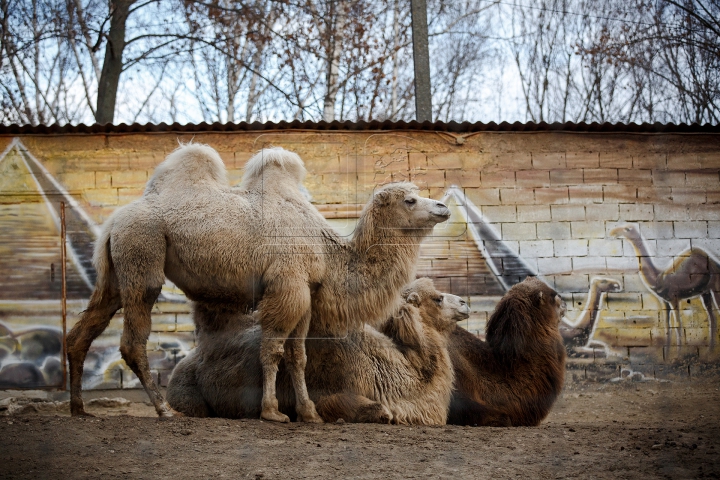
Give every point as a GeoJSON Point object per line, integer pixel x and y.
{"type": "Point", "coordinates": [261, 245]}
{"type": "Point", "coordinates": [399, 372]}
{"type": "Point", "coordinates": [519, 370]}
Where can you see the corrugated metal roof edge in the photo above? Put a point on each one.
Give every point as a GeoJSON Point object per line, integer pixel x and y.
{"type": "Point", "coordinates": [450, 127]}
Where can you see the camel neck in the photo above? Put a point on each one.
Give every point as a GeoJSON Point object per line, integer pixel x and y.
{"type": "Point", "coordinates": [647, 267]}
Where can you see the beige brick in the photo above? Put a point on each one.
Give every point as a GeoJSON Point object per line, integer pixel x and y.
{"type": "Point", "coordinates": [76, 181]}
{"type": "Point", "coordinates": [428, 178]}
{"type": "Point", "coordinates": [129, 178]}
{"type": "Point", "coordinates": [635, 176]}
{"type": "Point", "coordinates": [688, 196]}
{"type": "Point", "coordinates": [605, 212]}
{"type": "Point", "coordinates": [444, 160]}
{"type": "Point", "coordinates": [509, 162]}
{"type": "Point", "coordinates": [573, 282]}
{"type": "Point", "coordinates": [483, 196]}
{"type": "Point", "coordinates": [587, 229]}
{"type": "Point", "coordinates": [497, 179]}
{"type": "Point", "coordinates": [704, 212]}
{"type": "Point", "coordinates": [241, 158]}
{"type": "Point", "coordinates": [652, 161]}
{"type": "Point", "coordinates": [709, 178]}
{"type": "Point", "coordinates": [621, 264]}
{"type": "Point", "coordinates": [417, 160]}
{"type": "Point", "coordinates": [547, 161]}
{"type": "Point", "coordinates": [533, 178]}
{"type": "Point", "coordinates": [570, 248]}
{"type": "Point", "coordinates": [536, 248]}
{"type": "Point", "coordinates": [615, 160]}
{"type": "Point", "coordinates": [103, 179]}
{"type": "Point", "coordinates": [533, 213]}
{"type": "Point", "coordinates": [671, 247]}
{"type": "Point", "coordinates": [582, 160]}
{"type": "Point", "coordinates": [605, 247]}
{"type": "Point", "coordinates": [101, 196]}
{"type": "Point", "coordinates": [566, 177]}
{"type": "Point", "coordinates": [654, 194]}
{"type": "Point", "coordinates": [325, 164]}
{"type": "Point", "coordinates": [554, 265]}
{"type": "Point", "coordinates": [567, 212]}
{"type": "Point", "coordinates": [682, 161]}
{"type": "Point", "coordinates": [602, 176]}
{"type": "Point", "coordinates": [500, 213]}
{"type": "Point", "coordinates": [586, 194]}
{"type": "Point", "coordinates": [619, 193]}
{"type": "Point", "coordinates": [517, 196]}
{"type": "Point", "coordinates": [713, 229]}
{"type": "Point", "coordinates": [662, 178]}
{"type": "Point", "coordinates": [709, 160]}
{"type": "Point", "coordinates": [464, 178]}
{"type": "Point", "coordinates": [553, 230]}
{"type": "Point", "coordinates": [672, 212]}
{"type": "Point", "coordinates": [712, 197]}
{"type": "Point", "coordinates": [655, 230]}
{"type": "Point", "coordinates": [518, 231]}
{"type": "Point", "coordinates": [552, 195]}
{"type": "Point", "coordinates": [588, 264]}
{"type": "Point", "coordinates": [474, 160]}
{"type": "Point", "coordinates": [634, 212]}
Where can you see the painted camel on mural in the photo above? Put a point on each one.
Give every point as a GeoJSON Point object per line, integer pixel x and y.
{"type": "Point", "coordinates": [692, 273]}
{"type": "Point", "coordinates": [261, 245]}
{"type": "Point", "coordinates": [578, 335]}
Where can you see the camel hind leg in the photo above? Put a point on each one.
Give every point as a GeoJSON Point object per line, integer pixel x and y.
{"type": "Point", "coordinates": [707, 299]}
{"type": "Point", "coordinates": [104, 302]}
{"type": "Point", "coordinates": [284, 309]}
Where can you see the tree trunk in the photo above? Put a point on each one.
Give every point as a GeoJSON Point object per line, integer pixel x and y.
{"type": "Point", "coordinates": [113, 62]}
{"type": "Point", "coordinates": [335, 45]}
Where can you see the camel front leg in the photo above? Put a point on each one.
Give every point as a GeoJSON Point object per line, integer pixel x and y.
{"type": "Point", "coordinates": [707, 299]}
{"type": "Point", "coordinates": [296, 360]}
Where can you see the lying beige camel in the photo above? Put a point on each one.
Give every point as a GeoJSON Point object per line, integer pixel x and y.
{"type": "Point", "coordinates": [400, 372]}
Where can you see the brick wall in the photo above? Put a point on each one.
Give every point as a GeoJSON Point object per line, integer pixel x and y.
{"type": "Point", "coordinates": [544, 203]}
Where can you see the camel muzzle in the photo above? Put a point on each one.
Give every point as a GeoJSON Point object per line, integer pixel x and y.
{"type": "Point", "coordinates": [441, 211]}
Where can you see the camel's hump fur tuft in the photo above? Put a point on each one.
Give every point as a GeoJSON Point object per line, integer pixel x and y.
{"type": "Point", "coordinates": [273, 158]}
{"type": "Point", "coordinates": [192, 163]}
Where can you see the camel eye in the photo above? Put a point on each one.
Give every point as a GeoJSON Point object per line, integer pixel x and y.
{"type": "Point", "coordinates": [411, 201]}
{"type": "Point", "coordinates": [438, 300]}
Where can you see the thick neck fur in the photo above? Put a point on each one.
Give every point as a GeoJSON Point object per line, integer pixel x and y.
{"type": "Point", "coordinates": [378, 262]}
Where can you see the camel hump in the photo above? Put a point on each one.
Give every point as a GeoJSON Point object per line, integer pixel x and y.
{"type": "Point", "coordinates": [271, 161]}
{"type": "Point", "coordinates": [189, 164]}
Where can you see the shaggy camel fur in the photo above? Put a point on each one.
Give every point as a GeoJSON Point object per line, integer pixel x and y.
{"type": "Point", "coordinates": [400, 373]}
{"type": "Point", "coordinates": [261, 245]}
{"type": "Point", "coordinates": [520, 369]}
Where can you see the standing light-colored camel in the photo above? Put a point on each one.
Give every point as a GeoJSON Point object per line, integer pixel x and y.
{"type": "Point", "coordinates": [692, 273]}
{"type": "Point", "coordinates": [261, 245]}
{"type": "Point", "coordinates": [578, 334]}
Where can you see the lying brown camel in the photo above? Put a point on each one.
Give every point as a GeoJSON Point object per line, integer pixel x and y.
{"type": "Point", "coordinates": [399, 373]}
{"type": "Point", "coordinates": [261, 244]}
{"type": "Point", "coordinates": [520, 368]}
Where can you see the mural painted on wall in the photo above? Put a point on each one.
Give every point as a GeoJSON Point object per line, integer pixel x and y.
{"type": "Point", "coordinates": [639, 295]}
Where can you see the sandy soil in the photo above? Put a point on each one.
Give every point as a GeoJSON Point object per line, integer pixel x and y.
{"type": "Point", "coordinates": [609, 430]}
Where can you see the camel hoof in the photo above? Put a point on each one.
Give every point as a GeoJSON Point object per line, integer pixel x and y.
{"type": "Point", "coordinates": [310, 419]}
{"type": "Point", "coordinates": [274, 416]}
{"type": "Point", "coordinates": [170, 413]}
{"type": "Point", "coordinates": [80, 413]}
{"type": "Point", "coordinates": [308, 414]}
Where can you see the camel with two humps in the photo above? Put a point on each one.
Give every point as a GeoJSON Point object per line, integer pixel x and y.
{"type": "Point", "coordinates": [518, 371]}
{"type": "Point", "coordinates": [399, 372]}
{"type": "Point", "coordinates": [262, 246]}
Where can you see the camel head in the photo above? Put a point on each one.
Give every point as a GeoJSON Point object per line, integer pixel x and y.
{"type": "Point", "coordinates": [398, 205]}
{"type": "Point", "coordinates": [629, 231]}
{"type": "Point", "coordinates": [604, 284]}
{"type": "Point", "coordinates": [440, 311]}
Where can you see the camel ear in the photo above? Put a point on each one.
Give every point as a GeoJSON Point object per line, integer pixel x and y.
{"type": "Point", "coordinates": [413, 299]}
{"type": "Point", "coordinates": [540, 296]}
{"type": "Point", "coordinates": [382, 198]}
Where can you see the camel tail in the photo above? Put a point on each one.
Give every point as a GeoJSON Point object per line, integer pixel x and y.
{"type": "Point", "coordinates": [276, 158]}
{"type": "Point", "coordinates": [101, 258]}
{"type": "Point", "coordinates": [188, 165]}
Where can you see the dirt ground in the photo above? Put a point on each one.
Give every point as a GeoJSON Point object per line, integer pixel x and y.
{"type": "Point", "coordinates": [596, 430]}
